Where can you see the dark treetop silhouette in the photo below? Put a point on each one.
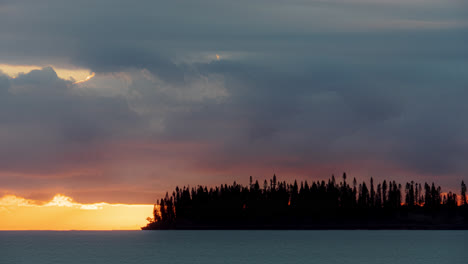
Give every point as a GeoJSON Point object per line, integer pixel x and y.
{"type": "Point", "coordinates": [318, 205]}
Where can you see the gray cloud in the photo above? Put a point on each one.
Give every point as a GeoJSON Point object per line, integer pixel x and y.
{"type": "Point", "coordinates": [42, 118]}
{"type": "Point", "coordinates": [320, 86]}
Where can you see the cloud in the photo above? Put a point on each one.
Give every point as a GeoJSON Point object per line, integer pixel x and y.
{"type": "Point", "coordinates": [304, 88]}
{"type": "Point", "coordinates": [64, 73]}
{"type": "Point", "coordinates": [43, 117]}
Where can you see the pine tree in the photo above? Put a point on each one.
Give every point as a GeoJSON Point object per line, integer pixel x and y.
{"type": "Point", "coordinates": [384, 193]}
{"type": "Point", "coordinates": [463, 193]}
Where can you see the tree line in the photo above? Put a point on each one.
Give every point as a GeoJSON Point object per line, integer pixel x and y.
{"type": "Point", "coordinates": [278, 204]}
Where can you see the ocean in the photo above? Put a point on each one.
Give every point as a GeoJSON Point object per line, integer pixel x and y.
{"type": "Point", "coordinates": [205, 247]}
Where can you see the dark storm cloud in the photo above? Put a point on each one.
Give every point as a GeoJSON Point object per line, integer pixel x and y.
{"type": "Point", "coordinates": [43, 117]}
{"type": "Point", "coordinates": [375, 86]}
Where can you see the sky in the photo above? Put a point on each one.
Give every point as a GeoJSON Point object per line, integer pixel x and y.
{"type": "Point", "coordinates": [118, 101]}
{"type": "Point", "coordinates": [62, 213]}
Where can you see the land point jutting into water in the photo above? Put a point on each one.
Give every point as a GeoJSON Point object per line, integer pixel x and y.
{"type": "Point", "coordinates": [316, 205]}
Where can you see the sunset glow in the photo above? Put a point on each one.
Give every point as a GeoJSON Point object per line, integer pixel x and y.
{"type": "Point", "coordinates": [81, 75]}
{"type": "Point", "coordinates": [86, 79]}
{"type": "Point", "coordinates": [106, 108]}
{"type": "Point", "coordinates": [63, 213]}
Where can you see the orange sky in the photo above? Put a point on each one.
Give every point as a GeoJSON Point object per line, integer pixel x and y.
{"type": "Point", "coordinates": [62, 213]}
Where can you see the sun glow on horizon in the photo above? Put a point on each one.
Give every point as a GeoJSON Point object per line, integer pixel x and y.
{"type": "Point", "coordinates": [63, 213]}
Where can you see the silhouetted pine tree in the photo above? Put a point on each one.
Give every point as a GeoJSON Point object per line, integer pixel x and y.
{"type": "Point", "coordinates": [463, 193]}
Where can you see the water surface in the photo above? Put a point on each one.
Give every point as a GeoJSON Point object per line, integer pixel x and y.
{"type": "Point", "coordinates": [81, 247]}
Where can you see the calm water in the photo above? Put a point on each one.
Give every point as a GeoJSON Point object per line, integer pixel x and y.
{"type": "Point", "coordinates": [234, 247]}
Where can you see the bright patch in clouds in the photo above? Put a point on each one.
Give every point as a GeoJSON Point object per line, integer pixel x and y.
{"type": "Point", "coordinates": [77, 75]}
{"type": "Point", "coordinates": [62, 213]}
{"type": "Point", "coordinates": [86, 79]}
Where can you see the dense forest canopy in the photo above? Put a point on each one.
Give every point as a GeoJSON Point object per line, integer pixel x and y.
{"type": "Point", "coordinates": [278, 204]}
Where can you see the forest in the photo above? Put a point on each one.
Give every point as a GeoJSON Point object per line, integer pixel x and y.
{"type": "Point", "coordinates": [316, 205]}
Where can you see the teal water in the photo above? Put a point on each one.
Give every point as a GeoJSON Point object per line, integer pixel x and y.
{"type": "Point", "coordinates": [412, 247]}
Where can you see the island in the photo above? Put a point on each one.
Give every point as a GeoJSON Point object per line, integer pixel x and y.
{"type": "Point", "coordinates": [278, 205]}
